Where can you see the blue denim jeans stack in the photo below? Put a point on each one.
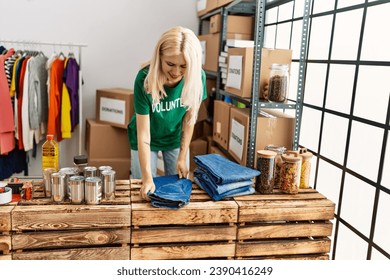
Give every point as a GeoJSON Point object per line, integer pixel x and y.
{"type": "Point", "coordinates": [171, 192]}
{"type": "Point", "coordinates": [221, 178]}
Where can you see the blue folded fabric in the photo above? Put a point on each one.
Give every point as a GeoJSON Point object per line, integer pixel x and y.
{"type": "Point", "coordinates": [223, 171]}
{"type": "Point", "coordinates": [171, 192]}
{"type": "Point", "coordinates": [207, 186]}
{"type": "Point", "coordinates": [220, 189]}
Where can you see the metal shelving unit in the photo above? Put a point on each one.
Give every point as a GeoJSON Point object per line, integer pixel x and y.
{"type": "Point", "coordinates": [258, 9]}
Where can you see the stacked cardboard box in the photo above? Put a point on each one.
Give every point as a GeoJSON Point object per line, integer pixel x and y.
{"type": "Point", "coordinates": [106, 140]}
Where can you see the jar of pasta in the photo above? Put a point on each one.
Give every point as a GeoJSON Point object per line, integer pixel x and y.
{"type": "Point", "coordinates": [291, 172]}
{"type": "Point", "coordinates": [278, 163]}
{"type": "Point", "coordinates": [305, 169]}
{"type": "Point", "coordinates": [266, 165]}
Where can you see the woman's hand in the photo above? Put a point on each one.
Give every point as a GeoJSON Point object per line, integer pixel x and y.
{"type": "Point", "coordinates": [182, 169]}
{"type": "Point", "coordinates": [147, 187]}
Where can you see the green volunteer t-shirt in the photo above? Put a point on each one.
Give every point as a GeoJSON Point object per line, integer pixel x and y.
{"type": "Point", "coordinates": [165, 117]}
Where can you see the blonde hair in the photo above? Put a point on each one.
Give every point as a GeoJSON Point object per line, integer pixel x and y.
{"type": "Point", "coordinates": [178, 40]}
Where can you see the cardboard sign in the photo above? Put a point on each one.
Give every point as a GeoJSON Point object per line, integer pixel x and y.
{"type": "Point", "coordinates": [234, 72]}
{"type": "Point", "coordinates": [236, 141]}
{"type": "Point", "coordinates": [112, 110]}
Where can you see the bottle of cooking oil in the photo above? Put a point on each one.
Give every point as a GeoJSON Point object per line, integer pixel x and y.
{"type": "Point", "coordinates": [49, 153]}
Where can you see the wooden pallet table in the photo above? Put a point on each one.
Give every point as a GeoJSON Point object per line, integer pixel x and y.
{"type": "Point", "coordinates": [283, 226]}
{"type": "Point", "coordinates": [203, 229]}
{"type": "Point", "coordinates": [42, 230]}
{"type": "Point", "coordinates": [5, 232]}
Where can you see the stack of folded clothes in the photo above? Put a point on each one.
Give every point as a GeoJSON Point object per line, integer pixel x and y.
{"type": "Point", "coordinates": [171, 192]}
{"type": "Point", "coordinates": [221, 178]}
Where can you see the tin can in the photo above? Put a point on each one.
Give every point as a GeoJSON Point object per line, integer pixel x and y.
{"type": "Point", "coordinates": [69, 172]}
{"type": "Point", "coordinates": [76, 189]}
{"type": "Point", "coordinates": [90, 171]}
{"type": "Point", "coordinates": [93, 190]}
{"type": "Point", "coordinates": [46, 179]}
{"type": "Point", "coordinates": [80, 163]}
{"type": "Point", "coordinates": [102, 168]}
{"type": "Point", "coordinates": [108, 184]}
{"type": "Point", "coordinates": [58, 186]}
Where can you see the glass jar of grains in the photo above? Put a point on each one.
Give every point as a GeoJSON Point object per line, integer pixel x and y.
{"type": "Point", "coordinates": [305, 170]}
{"type": "Point", "coordinates": [278, 163]}
{"type": "Point", "coordinates": [266, 166]}
{"type": "Point", "coordinates": [291, 172]}
{"type": "Point", "coordinates": [278, 83]}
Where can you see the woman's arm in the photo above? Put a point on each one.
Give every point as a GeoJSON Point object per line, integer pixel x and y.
{"type": "Point", "coordinates": [143, 138]}
{"type": "Point", "coordinates": [186, 135]}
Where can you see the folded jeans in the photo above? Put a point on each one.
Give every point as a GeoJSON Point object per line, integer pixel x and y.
{"type": "Point", "coordinates": [223, 171]}
{"type": "Point", "coordinates": [171, 192]}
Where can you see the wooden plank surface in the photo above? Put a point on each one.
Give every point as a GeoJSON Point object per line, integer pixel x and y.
{"type": "Point", "coordinates": [283, 247]}
{"type": "Point", "coordinates": [103, 253]}
{"type": "Point", "coordinates": [193, 213]}
{"type": "Point", "coordinates": [312, 257]}
{"type": "Point", "coordinates": [74, 238]}
{"type": "Point", "coordinates": [187, 251]}
{"type": "Point", "coordinates": [5, 217]}
{"type": "Point", "coordinates": [183, 234]}
{"type": "Point", "coordinates": [284, 230]}
{"type": "Point", "coordinates": [5, 244]}
{"type": "Point", "coordinates": [60, 217]}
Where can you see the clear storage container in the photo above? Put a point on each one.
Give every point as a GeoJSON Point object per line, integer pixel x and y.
{"type": "Point", "coordinates": [305, 169]}
{"type": "Point", "coordinates": [278, 83]}
{"type": "Point", "coordinates": [291, 172]}
{"type": "Point", "coordinates": [266, 166]}
{"type": "Point", "coordinates": [280, 150]}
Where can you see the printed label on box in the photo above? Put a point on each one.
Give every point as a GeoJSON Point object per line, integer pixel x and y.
{"type": "Point", "coordinates": [112, 110]}
{"type": "Point", "coordinates": [234, 71]}
{"type": "Point", "coordinates": [236, 142]}
{"type": "Point", "coordinates": [203, 45]}
{"type": "Point", "coordinates": [201, 4]}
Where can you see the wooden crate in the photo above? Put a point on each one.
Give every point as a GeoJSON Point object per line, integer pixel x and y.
{"type": "Point", "coordinates": [282, 226]}
{"type": "Point", "coordinates": [5, 232]}
{"type": "Point", "coordinates": [203, 229]}
{"type": "Point", "coordinates": [41, 230]}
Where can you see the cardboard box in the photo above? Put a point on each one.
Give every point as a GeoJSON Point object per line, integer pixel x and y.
{"type": "Point", "coordinates": [240, 67]}
{"type": "Point", "coordinates": [221, 122]}
{"type": "Point", "coordinates": [197, 147]}
{"type": "Point", "coordinates": [105, 141]}
{"type": "Point", "coordinates": [235, 24]}
{"type": "Point", "coordinates": [210, 48]}
{"type": "Point", "coordinates": [277, 129]}
{"type": "Point", "coordinates": [120, 165]}
{"type": "Point", "coordinates": [205, 6]}
{"type": "Point", "coordinates": [216, 150]}
{"type": "Point", "coordinates": [223, 2]}
{"type": "Point", "coordinates": [114, 106]}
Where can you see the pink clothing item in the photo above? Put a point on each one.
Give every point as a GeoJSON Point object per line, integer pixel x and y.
{"type": "Point", "coordinates": [7, 137]}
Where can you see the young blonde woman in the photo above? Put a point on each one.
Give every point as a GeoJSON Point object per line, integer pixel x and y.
{"type": "Point", "coordinates": [167, 94]}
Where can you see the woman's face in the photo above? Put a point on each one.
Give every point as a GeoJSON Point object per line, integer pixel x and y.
{"type": "Point", "coordinates": [173, 67]}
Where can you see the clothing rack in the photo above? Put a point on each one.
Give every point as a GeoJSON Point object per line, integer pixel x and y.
{"type": "Point", "coordinates": [71, 45]}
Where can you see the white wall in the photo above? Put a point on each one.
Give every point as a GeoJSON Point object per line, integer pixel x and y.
{"type": "Point", "coordinates": [120, 35]}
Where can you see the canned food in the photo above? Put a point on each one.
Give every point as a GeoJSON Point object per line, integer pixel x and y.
{"type": "Point", "coordinates": [108, 184]}
{"type": "Point", "coordinates": [57, 181]}
{"type": "Point", "coordinates": [93, 190]}
{"type": "Point", "coordinates": [76, 189]}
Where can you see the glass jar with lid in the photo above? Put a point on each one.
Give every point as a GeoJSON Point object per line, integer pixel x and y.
{"type": "Point", "coordinates": [291, 172]}
{"type": "Point", "coordinates": [278, 83]}
{"type": "Point", "coordinates": [266, 166]}
{"type": "Point", "coordinates": [280, 150]}
{"type": "Point", "coordinates": [305, 169]}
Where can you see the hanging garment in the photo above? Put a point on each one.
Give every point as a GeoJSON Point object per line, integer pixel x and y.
{"type": "Point", "coordinates": [54, 117]}
{"type": "Point", "coordinates": [8, 67]}
{"type": "Point", "coordinates": [72, 82]}
{"type": "Point", "coordinates": [14, 162]}
{"type": "Point", "coordinates": [28, 133]}
{"type": "Point", "coordinates": [12, 89]}
{"type": "Point", "coordinates": [38, 104]}
{"type": "Point", "coordinates": [20, 92]}
{"type": "Point", "coordinates": [66, 125]}
{"type": "Point", "coordinates": [7, 140]}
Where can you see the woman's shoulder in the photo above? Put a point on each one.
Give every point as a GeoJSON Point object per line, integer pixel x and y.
{"type": "Point", "coordinates": [142, 73]}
